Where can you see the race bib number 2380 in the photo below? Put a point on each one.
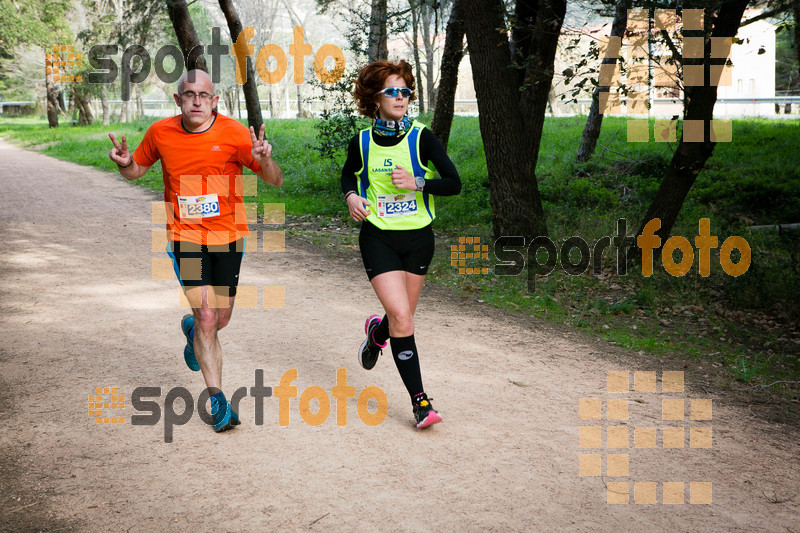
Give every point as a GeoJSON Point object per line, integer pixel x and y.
{"type": "Point", "coordinates": [204, 206]}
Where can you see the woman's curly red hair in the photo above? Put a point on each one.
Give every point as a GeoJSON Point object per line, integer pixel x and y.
{"type": "Point", "coordinates": [371, 79]}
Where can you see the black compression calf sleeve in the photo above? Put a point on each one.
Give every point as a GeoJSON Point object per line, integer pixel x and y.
{"type": "Point", "coordinates": [404, 350]}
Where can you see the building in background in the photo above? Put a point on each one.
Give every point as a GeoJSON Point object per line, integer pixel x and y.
{"type": "Point", "coordinates": [752, 75]}
{"type": "Point", "coordinates": [753, 72]}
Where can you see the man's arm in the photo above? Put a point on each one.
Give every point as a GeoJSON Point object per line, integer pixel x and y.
{"type": "Point", "coordinates": [128, 168]}
{"type": "Point", "coordinates": [270, 171]}
{"type": "Point", "coordinates": [262, 154]}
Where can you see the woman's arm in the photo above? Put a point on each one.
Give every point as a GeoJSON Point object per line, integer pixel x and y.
{"type": "Point", "coordinates": [351, 166]}
{"type": "Point", "coordinates": [430, 149]}
{"type": "Point", "coordinates": [355, 203]}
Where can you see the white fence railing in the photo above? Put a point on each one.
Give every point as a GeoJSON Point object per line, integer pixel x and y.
{"type": "Point", "coordinates": [772, 107]}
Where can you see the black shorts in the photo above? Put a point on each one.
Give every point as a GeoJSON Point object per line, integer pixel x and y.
{"type": "Point", "coordinates": [199, 264]}
{"type": "Point", "coordinates": [387, 250]}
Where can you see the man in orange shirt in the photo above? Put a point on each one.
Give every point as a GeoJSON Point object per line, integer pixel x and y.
{"type": "Point", "coordinates": [202, 154]}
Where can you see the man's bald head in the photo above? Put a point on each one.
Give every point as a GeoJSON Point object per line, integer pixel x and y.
{"type": "Point", "coordinates": [197, 100]}
{"type": "Point", "coordinates": [198, 77]}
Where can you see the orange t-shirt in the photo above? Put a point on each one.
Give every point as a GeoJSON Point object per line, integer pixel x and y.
{"type": "Point", "coordinates": [202, 177]}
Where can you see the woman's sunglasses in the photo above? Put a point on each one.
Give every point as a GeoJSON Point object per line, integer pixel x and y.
{"type": "Point", "coordinates": [392, 92]}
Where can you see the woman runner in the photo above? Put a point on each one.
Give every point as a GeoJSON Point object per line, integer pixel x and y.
{"type": "Point", "coordinates": [389, 188]}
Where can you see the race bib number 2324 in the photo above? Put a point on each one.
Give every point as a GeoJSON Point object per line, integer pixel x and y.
{"type": "Point", "coordinates": [397, 205]}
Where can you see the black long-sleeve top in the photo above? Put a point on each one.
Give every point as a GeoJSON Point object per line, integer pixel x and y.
{"type": "Point", "coordinates": [430, 149]}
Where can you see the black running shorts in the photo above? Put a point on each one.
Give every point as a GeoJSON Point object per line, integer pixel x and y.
{"type": "Point", "coordinates": [199, 264]}
{"type": "Point", "coordinates": [387, 250]}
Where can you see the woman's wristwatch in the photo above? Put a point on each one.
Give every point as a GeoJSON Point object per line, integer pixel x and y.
{"type": "Point", "coordinates": [420, 183]}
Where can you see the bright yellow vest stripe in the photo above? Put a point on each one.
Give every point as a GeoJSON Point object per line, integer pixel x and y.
{"type": "Point", "coordinates": [375, 178]}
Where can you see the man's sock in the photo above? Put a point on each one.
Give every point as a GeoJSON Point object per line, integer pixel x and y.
{"type": "Point", "coordinates": [404, 350]}
{"type": "Point", "coordinates": [381, 333]}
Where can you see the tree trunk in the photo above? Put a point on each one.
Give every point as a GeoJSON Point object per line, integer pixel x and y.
{"type": "Point", "coordinates": [551, 102]}
{"type": "Point", "coordinates": [52, 104]}
{"type": "Point", "coordinates": [448, 75]}
{"type": "Point", "coordinates": [271, 104]}
{"type": "Point", "coordinates": [511, 104]}
{"type": "Point", "coordinates": [227, 100]}
{"type": "Point", "coordinates": [428, 39]}
{"type": "Point", "coordinates": [132, 108]}
{"type": "Point", "coordinates": [796, 12]}
{"type": "Point", "coordinates": [71, 106]}
{"type": "Point", "coordinates": [104, 103]}
{"type": "Point", "coordinates": [139, 102]}
{"type": "Point", "coordinates": [415, 47]}
{"type": "Point", "coordinates": [376, 44]}
{"type": "Point", "coordinates": [538, 75]}
{"type": "Point", "coordinates": [123, 112]}
{"type": "Point", "coordinates": [88, 115]}
{"type": "Point", "coordinates": [62, 108]}
{"type": "Point", "coordinates": [238, 103]}
{"type": "Point", "coordinates": [187, 38]}
{"type": "Point", "coordinates": [691, 157]}
{"type": "Point", "coordinates": [299, 102]}
{"type": "Point", "coordinates": [83, 103]}
{"type": "Point", "coordinates": [591, 132]}
{"type": "Point", "coordinates": [254, 117]}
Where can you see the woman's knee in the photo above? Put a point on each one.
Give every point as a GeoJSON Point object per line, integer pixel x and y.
{"type": "Point", "coordinates": [401, 324]}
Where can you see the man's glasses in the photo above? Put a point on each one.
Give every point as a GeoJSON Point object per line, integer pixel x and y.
{"type": "Point", "coordinates": [190, 95]}
{"type": "Point", "coordinates": [392, 92]}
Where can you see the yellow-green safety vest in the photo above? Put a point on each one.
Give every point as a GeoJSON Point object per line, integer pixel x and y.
{"type": "Point", "coordinates": [392, 208]}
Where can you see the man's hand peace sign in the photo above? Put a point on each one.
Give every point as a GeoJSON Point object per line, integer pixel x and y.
{"type": "Point", "coordinates": [120, 154]}
{"type": "Point", "coordinates": [262, 150]}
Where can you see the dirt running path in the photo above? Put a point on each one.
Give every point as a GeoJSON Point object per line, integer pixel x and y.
{"type": "Point", "coordinates": [80, 310]}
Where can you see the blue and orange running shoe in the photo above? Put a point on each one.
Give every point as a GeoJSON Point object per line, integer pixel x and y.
{"type": "Point", "coordinates": [224, 416]}
{"type": "Point", "coordinates": [187, 323]}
